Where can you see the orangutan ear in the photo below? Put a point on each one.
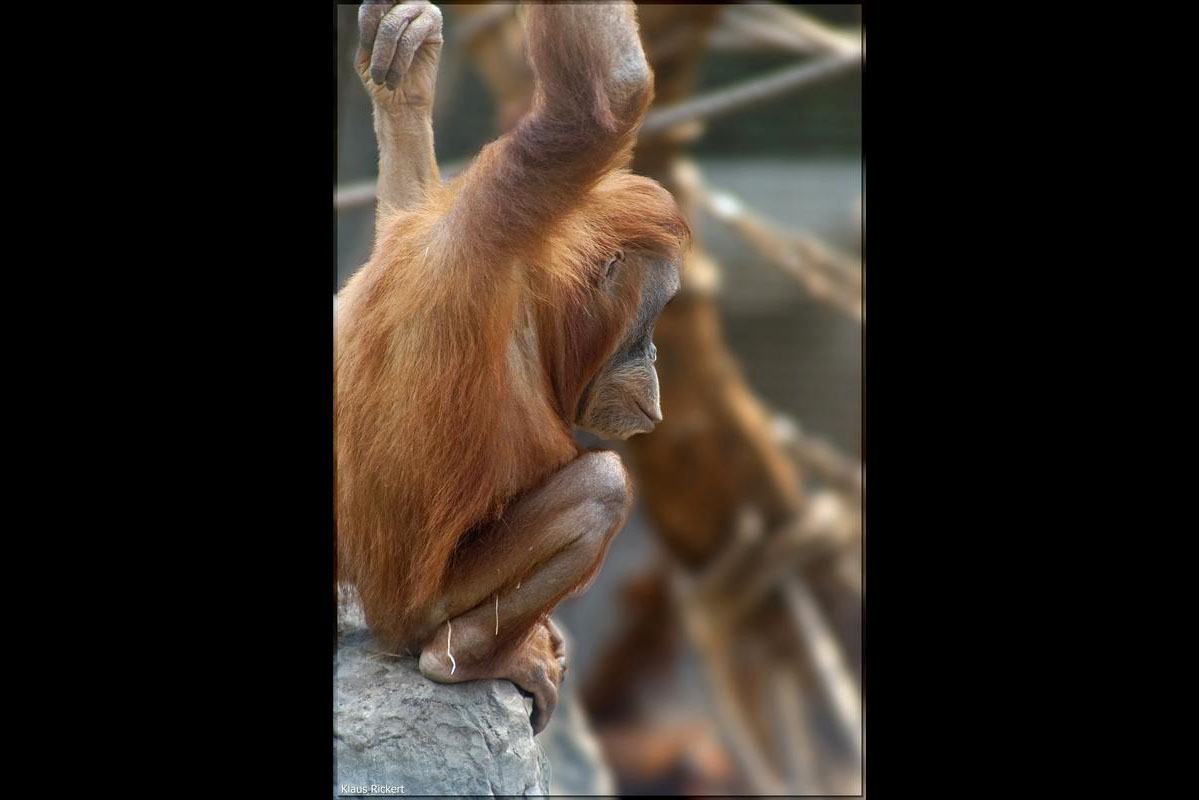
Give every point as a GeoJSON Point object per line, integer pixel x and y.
{"type": "Point", "coordinates": [610, 267]}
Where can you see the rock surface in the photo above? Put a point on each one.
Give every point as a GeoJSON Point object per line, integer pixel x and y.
{"type": "Point", "coordinates": [394, 728]}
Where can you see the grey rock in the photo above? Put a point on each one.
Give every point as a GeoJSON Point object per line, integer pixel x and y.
{"type": "Point", "coordinates": [392, 727]}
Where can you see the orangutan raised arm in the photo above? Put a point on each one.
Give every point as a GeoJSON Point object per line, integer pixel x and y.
{"type": "Point", "coordinates": [593, 86]}
{"type": "Point", "coordinates": [398, 50]}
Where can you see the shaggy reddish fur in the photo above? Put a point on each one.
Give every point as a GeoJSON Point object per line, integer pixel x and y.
{"type": "Point", "coordinates": [464, 344]}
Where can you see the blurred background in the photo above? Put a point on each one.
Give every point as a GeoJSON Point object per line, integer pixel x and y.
{"type": "Point", "coordinates": [719, 650]}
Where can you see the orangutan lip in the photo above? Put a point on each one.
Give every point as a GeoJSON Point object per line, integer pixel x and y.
{"type": "Point", "coordinates": [645, 413]}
